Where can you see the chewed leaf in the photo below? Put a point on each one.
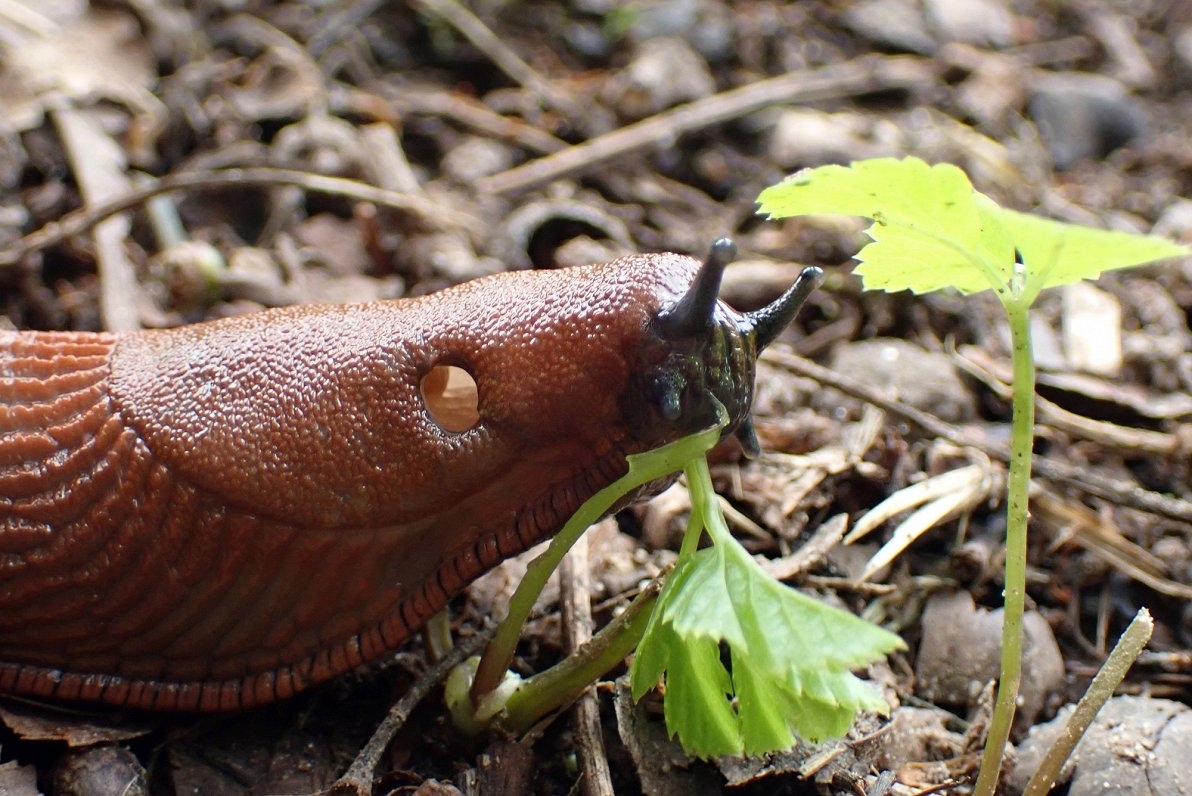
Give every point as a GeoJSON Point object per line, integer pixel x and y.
{"type": "Point", "coordinates": [702, 594]}
{"type": "Point", "coordinates": [790, 654]}
{"type": "Point", "coordinates": [697, 690]}
{"type": "Point", "coordinates": [888, 190]}
{"type": "Point", "coordinates": [778, 625]}
{"type": "Point", "coordinates": [766, 721]}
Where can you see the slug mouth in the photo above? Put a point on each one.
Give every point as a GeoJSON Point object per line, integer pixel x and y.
{"type": "Point", "coordinates": [699, 355]}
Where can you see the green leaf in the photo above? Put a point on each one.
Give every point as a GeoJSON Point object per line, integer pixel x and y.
{"type": "Point", "coordinates": [933, 230]}
{"type": "Point", "coordinates": [697, 691]}
{"type": "Point", "coordinates": [769, 718]}
{"type": "Point", "coordinates": [1055, 253]}
{"type": "Point", "coordinates": [791, 656]}
{"type": "Point", "coordinates": [930, 229]}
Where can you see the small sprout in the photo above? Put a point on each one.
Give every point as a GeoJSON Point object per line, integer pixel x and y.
{"type": "Point", "coordinates": [933, 230]}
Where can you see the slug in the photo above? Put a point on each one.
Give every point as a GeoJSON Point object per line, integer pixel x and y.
{"type": "Point", "coordinates": [216, 516]}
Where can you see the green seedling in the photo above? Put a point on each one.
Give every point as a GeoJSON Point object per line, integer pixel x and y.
{"type": "Point", "coordinates": [933, 230]}
{"type": "Point", "coordinates": [790, 654]}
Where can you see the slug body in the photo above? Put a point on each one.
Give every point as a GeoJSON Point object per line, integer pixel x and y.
{"type": "Point", "coordinates": [220, 515]}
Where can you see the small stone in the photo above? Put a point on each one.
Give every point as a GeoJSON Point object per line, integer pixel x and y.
{"type": "Point", "coordinates": [961, 652]}
{"type": "Point", "coordinates": [804, 137]}
{"type": "Point", "coordinates": [18, 780]}
{"type": "Point", "coordinates": [894, 23]}
{"type": "Point", "coordinates": [1137, 746]}
{"type": "Point", "coordinates": [1181, 46]}
{"type": "Point", "coordinates": [926, 380]}
{"type": "Point", "coordinates": [1092, 329]}
{"type": "Point", "coordinates": [99, 770]}
{"type": "Point", "coordinates": [980, 22]}
{"type": "Point", "coordinates": [1175, 221]}
{"type": "Point", "coordinates": [664, 72]}
{"type": "Point", "coordinates": [476, 157]}
{"type": "Point", "coordinates": [915, 735]}
{"type": "Point", "coordinates": [1084, 116]}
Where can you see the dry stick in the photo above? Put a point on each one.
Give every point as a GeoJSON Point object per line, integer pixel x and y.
{"type": "Point", "coordinates": [100, 169]}
{"type": "Point", "coordinates": [575, 578]}
{"type": "Point", "coordinates": [473, 115]}
{"type": "Point", "coordinates": [1125, 652]}
{"type": "Point", "coordinates": [499, 53]}
{"type": "Point", "coordinates": [432, 214]}
{"type": "Point", "coordinates": [1130, 440]}
{"type": "Point", "coordinates": [867, 74]}
{"type": "Point", "coordinates": [1087, 481]}
{"type": "Point", "coordinates": [358, 779]}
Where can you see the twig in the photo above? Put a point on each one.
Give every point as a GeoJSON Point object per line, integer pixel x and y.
{"type": "Point", "coordinates": [1130, 440]}
{"type": "Point", "coordinates": [863, 75]}
{"type": "Point", "coordinates": [432, 214]}
{"type": "Point", "coordinates": [1125, 652]}
{"type": "Point", "coordinates": [469, 113]}
{"type": "Point", "coordinates": [558, 686]}
{"type": "Point", "coordinates": [575, 580]}
{"type": "Point", "coordinates": [501, 54]}
{"type": "Point", "coordinates": [1087, 481]}
{"type": "Point", "coordinates": [100, 169]}
{"type": "Point", "coordinates": [358, 779]}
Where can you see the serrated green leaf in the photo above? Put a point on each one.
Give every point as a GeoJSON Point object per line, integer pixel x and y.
{"type": "Point", "coordinates": [904, 191]}
{"type": "Point", "coordinates": [652, 655]}
{"type": "Point", "coordinates": [697, 707]}
{"type": "Point", "coordinates": [782, 625]}
{"type": "Point", "coordinates": [933, 230]}
{"type": "Point", "coordinates": [1057, 253]}
{"type": "Point", "coordinates": [791, 656]}
{"type": "Point", "coordinates": [696, 606]}
{"type": "Point", "coordinates": [765, 719]}
{"type": "Point", "coordinates": [817, 721]}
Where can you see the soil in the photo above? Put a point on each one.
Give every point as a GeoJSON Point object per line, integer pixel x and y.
{"type": "Point", "coordinates": [512, 135]}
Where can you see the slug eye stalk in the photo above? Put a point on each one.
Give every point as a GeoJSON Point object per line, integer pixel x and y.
{"type": "Point", "coordinates": [695, 313]}
{"type": "Point", "coordinates": [768, 322]}
{"type": "Point", "coordinates": [702, 353]}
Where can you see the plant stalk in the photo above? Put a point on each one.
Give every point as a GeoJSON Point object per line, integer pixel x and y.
{"type": "Point", "coordinates": [1017, 516]}
{"type": "Point", "coordinates": [563, 683]}
{"type": "Point", "coordinates": [643, 468]}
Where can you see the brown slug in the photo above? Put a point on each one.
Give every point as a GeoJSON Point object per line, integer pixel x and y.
{"type": "Point", "coordinates": [220, 515]}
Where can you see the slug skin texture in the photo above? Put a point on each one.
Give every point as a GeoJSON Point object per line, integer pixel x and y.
{"type": "Point", "coordinates": [220, 515]}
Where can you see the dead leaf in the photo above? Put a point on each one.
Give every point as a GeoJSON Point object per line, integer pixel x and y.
{"type": "Point", "coordinates": [34, 723]}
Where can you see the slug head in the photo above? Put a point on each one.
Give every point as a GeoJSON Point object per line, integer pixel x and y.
{"type": "Point", "coordinates": [699, 355]}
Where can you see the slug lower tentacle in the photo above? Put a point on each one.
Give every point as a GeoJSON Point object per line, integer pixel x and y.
{"type": "Point", "coordinates": [220, 515]}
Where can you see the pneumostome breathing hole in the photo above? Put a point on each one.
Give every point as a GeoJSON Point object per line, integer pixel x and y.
{"type": "Point", "coordinates": [451, 398]}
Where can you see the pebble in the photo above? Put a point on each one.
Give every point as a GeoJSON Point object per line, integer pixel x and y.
{"type": "Point", "coordinates": [109, 768]}
{"type": "Point", "coordinates": [924, 379]}
{"type": "Point", "coordinates": [664, 72]}
{"type": "Point", "coordinates": [1175, 221]}
{"type": "Point", "coordinates": [1092, 330]}
{"type": "Point", "coordinates": [980, 22]}
{"type": "Point", "coordinates": [803, 137]}
{"type": "Point", "coordinates": [1181, 46]}
{"type": "Point", "coordinates": [1137, 746]}
{"type": "Point", "coordinates": [476, 157]}
{"type": "Point", "coordinates": [898, 24]}
{"type": "Point", "coordinates": [1082, 116]}
{"type": "Point", "coordinates": [961, 652]}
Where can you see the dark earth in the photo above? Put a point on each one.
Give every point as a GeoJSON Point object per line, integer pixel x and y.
{"type": "Point", "coordinates": [551, 133]}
